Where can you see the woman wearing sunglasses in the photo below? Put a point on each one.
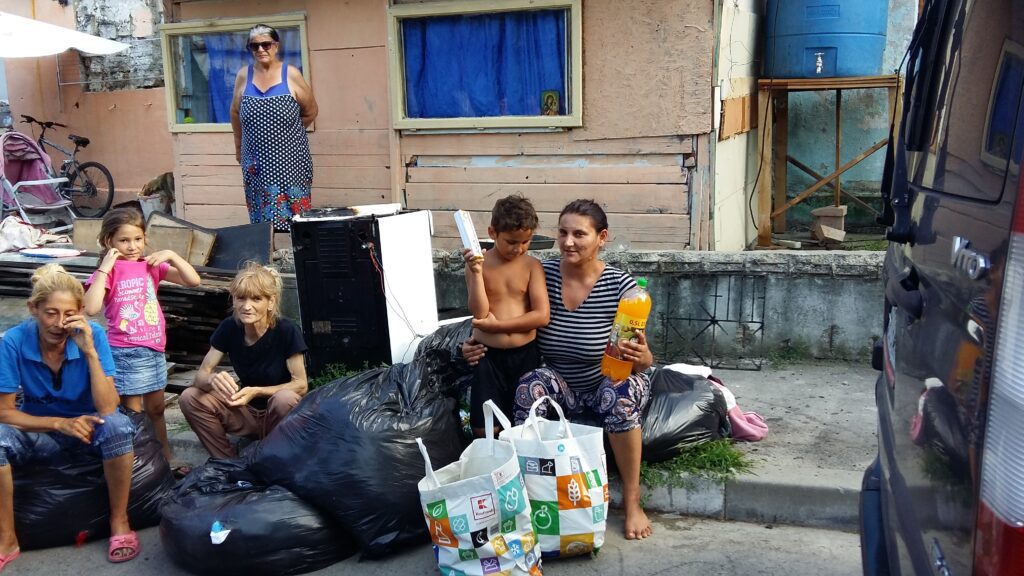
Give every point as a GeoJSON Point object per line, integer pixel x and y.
{"type": "Point", "coordinates": [271, 109]}
{"type": "Point", "coordinates": [62, 363]}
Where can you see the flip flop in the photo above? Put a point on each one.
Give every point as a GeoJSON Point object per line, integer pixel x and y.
{"type": "Point", "coordinates": [129, 541]}
{"type": "Point", "coordinates": [6, 559]}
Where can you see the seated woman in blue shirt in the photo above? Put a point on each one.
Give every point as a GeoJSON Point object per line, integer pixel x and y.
{"type": "Point", "coordinates": [62, 363]}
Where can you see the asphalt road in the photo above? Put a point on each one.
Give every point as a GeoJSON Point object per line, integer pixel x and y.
{"type": "Point", "coordinates": [680, 546]}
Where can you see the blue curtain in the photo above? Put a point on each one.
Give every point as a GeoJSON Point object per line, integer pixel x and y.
{"type": "Point", "coordinates": [227, 53]}
{"type": "Point", "coordinates": [500, 64]}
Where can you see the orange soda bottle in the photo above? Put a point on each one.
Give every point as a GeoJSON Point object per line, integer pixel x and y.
{"type": "Point", "coordinates": [630, 319]}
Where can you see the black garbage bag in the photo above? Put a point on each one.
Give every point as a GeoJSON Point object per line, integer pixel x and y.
{"type": "Point", "coordinates": [58, 503]}
{"type": "Point", "coordinates": [349, 448]}
{"type": "Point", "coordinates": [272, 531]}
{"type": "Point", "coordinates": [448, 338]}
{"type": "Point", "coordinates": [684, 411]}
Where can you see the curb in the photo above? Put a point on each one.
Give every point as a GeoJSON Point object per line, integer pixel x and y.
{"type": "Point", "coordinates": [828, 499]}
{"type": "Point", "coordinates": [819, 498]}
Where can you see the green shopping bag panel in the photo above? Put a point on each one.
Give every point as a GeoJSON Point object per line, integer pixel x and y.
{"type": "Point", "coordinates": [478, 514]}
{"type": "Point", "coordinates": [564, 469]}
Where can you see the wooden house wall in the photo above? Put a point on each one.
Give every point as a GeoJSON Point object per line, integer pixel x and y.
{"type": "Point", "coordinates": [647, 103]}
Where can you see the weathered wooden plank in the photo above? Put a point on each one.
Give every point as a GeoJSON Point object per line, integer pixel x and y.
{"type": "Point", "coordinates": [589, 175]}
{"type": "Point", "coordinates": [534, 143]}
{"type": "Point", "coordinates": [212, 194]}
{"type": "Point", "coordinates": [319, 160]}
{"type": "Point", "coordinates": [623, 229]}
{"type": "Point", "coordinates": [351, 177]}
{"type": "Point", "coordinates": [209, 176]}
{"type": "Point", "coordinates": [739, 115]}
{"type": "Point", "coordinates": [322, 196]}
{"type": "Point", "coordinates": [554, 160]}
{"type": "Point", "coordinates": [336, 197]}
{"type": "Point", "coordinates": [325, 176]}
{"type": "Point", "coordinates": [358, 142]}
{"type": "Point", "coordinates": [847, 83]}
{"type": "Point", "coordinates": [213, 216]}
{"type": "Point", "coordinates": [627, 198]}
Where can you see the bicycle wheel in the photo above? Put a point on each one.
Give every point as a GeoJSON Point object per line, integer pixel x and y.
{"type": "Point", "coordinates": [90, 188]}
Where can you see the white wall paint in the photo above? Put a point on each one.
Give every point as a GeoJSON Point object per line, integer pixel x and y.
{"type": "Point", "coordinates": [735, 158]}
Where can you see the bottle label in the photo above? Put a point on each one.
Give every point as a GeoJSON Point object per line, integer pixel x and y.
{"type": "Point", "coordinates": [625, 327]}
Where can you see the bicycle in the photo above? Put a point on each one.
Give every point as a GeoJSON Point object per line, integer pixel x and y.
{"type": "Point", "coordinates": [89, 187]}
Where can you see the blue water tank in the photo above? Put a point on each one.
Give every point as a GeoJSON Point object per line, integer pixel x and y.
{"type": "Point", "coordinates": [824, 38]}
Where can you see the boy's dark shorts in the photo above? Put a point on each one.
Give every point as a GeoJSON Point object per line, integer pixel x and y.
{"type": "Point", "coordinates": [496, 377]}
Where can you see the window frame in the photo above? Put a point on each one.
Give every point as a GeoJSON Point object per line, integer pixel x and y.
{"type": "Point", "coordinates": [396, 63]}
{"type": "Point", "coordinates": [207, 26]}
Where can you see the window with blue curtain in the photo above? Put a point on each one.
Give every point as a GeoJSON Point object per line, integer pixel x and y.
{"type": "Point", "coordinates": [204, 92]}
{"type": "Point", "coordinates": [486, 65]}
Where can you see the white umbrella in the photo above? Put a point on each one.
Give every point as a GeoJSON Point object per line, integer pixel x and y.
{"type": "Point", "coordinates": [26, 38]}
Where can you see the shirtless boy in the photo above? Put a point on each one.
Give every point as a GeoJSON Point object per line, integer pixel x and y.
{"type": "Point", "coordinates": [509, 301]}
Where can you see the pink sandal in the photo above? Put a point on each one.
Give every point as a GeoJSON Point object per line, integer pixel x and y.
{"type": "Point", "coordinates": [121, 542]}
{"type": "Point", "coordinates": [6, 559]}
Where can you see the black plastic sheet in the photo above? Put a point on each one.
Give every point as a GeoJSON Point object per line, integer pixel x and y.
{"type": "Point", "coordinates": [684, 411]}
{"type": "Point", "coordinates": [272, 531]}
{"type": "Point", "coordinates": [448, 338]}
{"type": "Point", "coordinates": [59, 503]}
{"type": "Point", "coordinates": [349, 448]}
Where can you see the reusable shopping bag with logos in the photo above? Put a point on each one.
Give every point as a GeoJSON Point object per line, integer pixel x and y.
{"type": "Point", "coordinates": [478, 512]}
{"type": "Point", "coordinates": [566, 477]}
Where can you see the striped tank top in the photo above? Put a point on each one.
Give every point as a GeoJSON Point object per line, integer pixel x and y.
{"type": "Point", "coordinates": [574, 341]}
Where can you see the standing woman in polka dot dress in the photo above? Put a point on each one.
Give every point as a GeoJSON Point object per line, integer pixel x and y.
{"type": "Point", "coordinates": [271, 109]}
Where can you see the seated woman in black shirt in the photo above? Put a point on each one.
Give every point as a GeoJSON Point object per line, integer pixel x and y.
{"type": "Point", "coordinates": [266, 353]}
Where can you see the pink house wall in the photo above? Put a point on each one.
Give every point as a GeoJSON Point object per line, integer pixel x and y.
{"type": "Point", "coordinates": [127, 128]}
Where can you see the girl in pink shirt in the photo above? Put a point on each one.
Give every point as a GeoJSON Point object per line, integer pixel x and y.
{"type": "Point", "coordinates": [124, 288]}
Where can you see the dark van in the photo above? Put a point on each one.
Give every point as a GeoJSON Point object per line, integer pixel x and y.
{"type": "Point", "coordinates": [946, 493]}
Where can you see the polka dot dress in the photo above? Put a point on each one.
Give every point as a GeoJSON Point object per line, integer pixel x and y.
{"type": "Point", "coordinates": [276, 166]}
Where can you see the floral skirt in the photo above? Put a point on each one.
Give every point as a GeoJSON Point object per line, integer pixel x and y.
{"type": "Point", "coordinates": [617, 406]}
{"type": "Point", "coordinates": [272, 205]}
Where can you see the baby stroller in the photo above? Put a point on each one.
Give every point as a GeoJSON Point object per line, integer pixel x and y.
{"type": "Point", "coordinates": [26, 184]}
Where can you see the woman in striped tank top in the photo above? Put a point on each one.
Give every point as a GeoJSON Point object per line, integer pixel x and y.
{"type": "Point", "coordinates": [584, 293]}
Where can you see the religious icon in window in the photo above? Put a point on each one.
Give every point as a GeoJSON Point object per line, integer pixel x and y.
{"type": "Point", "coordinates": [549, 103]}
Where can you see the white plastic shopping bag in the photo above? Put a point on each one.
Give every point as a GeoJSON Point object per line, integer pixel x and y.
{"type": "Point", "coordinates": [478, 511]}
{"type": "Point", "coordinates": [566, 477]}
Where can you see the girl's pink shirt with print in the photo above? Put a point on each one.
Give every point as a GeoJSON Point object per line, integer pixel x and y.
{"type": "Point", "coordinates": [134, 316]}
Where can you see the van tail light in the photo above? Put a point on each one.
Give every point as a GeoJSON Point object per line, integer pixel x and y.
{"type": "Point", "coordinates": [999, 536]}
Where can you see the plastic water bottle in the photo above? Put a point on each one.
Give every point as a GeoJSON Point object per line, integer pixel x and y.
{"type": "Point", "coordinates": [630, 319]}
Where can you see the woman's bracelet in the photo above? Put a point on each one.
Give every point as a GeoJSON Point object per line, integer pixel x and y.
{"type": "Point", "coordinates": [103, 271]}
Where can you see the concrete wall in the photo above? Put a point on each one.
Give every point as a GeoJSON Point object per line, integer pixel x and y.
{"type": "Point", "coordinates": [865, 121]}
{"type": "Point", "coordinates": [820, 304]}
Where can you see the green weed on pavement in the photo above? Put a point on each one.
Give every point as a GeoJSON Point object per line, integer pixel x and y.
{"type": "Point", "coordinates": [717, 461]}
